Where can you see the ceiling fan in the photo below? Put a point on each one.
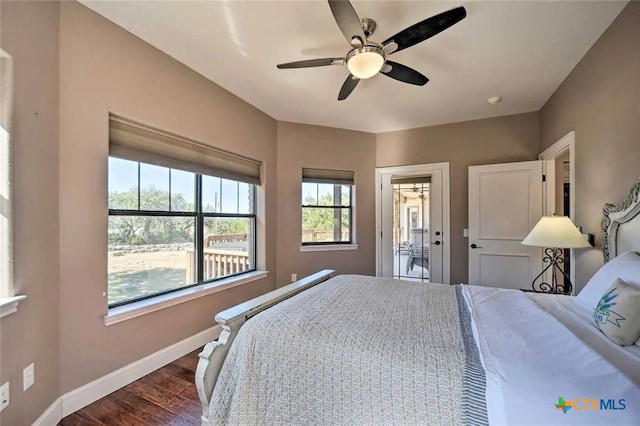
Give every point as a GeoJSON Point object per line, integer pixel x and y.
{"type": "Point", "coordinates": [367, 58]}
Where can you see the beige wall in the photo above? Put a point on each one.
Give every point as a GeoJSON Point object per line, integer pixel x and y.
{"type": "Point", "coordinates": [494, 140]}
{"type": "Point", "coordinates": [600, 100]}
{"type": "Point", "coordinates": [301, 145]}
{"type": "Point", "coordinates": [103, 69]}
{"type": "Point", "coordinates": [29, 32]}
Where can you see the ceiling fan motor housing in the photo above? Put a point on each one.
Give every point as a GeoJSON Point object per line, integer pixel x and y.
{"type": "Point", "coordinates": [368, 26]}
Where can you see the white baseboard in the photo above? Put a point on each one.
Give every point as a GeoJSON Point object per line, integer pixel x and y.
{"type": "Point", "coordinates": [99, 388]}
{"type": "Point", "coordinates": [51, 416]}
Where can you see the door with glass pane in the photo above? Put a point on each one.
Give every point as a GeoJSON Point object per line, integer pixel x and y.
{"type": "Point", "coordinates": [411, 224]}
{"type": "Point", "coordinates": [411, 244]}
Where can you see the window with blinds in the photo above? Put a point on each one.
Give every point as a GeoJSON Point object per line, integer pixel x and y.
{"type": "Point", "coordinates": [181, 213]}
{"type": "Point", "coordinates": [327, 206]}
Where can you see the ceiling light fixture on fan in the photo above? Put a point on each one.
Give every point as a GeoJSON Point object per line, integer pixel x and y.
{"type": "Point", "coordinates": [366, 61]}
{"type": "Point", "coordinates": [367, 58]}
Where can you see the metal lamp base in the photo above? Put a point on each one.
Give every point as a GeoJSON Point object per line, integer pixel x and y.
{"type": "Point", "coordinates": [554, 257]}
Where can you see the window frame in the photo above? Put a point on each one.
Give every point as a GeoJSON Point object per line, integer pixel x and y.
{"type": "Point", "coordinates": [199, 215]}
{"type": "Point", "coordinates": [350, 242]}
{"type": "Point", "coordinates": [7, 291]}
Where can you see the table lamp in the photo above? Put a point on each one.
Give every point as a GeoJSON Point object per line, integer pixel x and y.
{"type": "Point", "coordinates": [555, 233]}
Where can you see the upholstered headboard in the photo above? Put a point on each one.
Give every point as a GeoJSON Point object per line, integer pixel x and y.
{"type": "Point", "coordinates": [621, 225]}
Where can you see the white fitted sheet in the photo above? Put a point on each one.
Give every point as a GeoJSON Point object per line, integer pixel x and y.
{"type": "Point", "coordinates": [578, 319]}
{"type": "Point", "coordinates": [531, 358]}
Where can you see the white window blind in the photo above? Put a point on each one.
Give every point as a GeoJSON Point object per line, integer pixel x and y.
{"type": "Point", "coordinates": [134, 141]}
{"type": "Point", "coordinates": [339, 177]}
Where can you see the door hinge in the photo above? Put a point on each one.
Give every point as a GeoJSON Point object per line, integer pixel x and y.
{"type": "Point", "coordinates": [380, 186]}
{"type": "Point", "coordinates": [380, 234]}
{"type": "Point", "coordinates": [544, 178]}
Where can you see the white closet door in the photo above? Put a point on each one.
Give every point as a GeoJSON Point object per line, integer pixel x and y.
{"type": "Point", "coordinates": [505, 203]}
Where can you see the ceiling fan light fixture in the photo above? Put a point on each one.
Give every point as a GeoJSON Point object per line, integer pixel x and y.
{"type": "Point", "coordinates": [366, 62]}
{"type": "Point", "coordinates": [367, 58]}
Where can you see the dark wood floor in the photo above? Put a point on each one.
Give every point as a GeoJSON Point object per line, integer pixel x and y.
{"type": "Point", "coordinates": [165, 397]}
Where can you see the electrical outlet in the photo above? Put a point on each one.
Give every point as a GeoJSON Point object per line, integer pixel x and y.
{"type": "Point", "coordinates": [294, 277]}
{"type": "Point", "coordinates": [4, 396]}
{"type": "Point", "coordinates": [28, 377]}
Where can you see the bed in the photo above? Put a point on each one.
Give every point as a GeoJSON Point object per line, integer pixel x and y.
{"type": "Point", "coordinates": [360, 350]}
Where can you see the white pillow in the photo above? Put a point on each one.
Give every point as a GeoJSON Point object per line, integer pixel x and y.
{"type": "Point", "coordinates": [618, 313]}
{"type": "Point", "coordinates": [625, 266]}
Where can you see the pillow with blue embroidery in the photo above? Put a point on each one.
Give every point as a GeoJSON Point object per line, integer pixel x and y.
{"type": "Point", "coordinates": [618, 313]}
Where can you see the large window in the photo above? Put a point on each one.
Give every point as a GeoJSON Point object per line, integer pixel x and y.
{"type": "Point", "coordinates": [181, 213]}
{"type": "Point", "coordinates": [327, 207]}
{"type": "Point", "coordinates": [170, 229]}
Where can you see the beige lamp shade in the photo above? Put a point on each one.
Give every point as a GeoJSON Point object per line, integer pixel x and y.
{"type": "Point", "coordinates": [556, 232]}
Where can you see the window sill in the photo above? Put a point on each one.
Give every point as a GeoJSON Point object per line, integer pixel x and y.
{"type": "Point", "coordinates": [9, 305]}
{"type": "Point", "coordinates": [143, 307]}
{"type": "Point", "coordinates": [329, 247]}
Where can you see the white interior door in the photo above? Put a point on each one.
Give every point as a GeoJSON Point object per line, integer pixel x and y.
{"type": "Point", "coordinates": [390, 247]}
{"type": "Point", "coordinates": [505, 203]}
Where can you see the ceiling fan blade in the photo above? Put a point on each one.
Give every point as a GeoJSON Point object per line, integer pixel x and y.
{"type": "Point", "coordinates": [348, 21]}
{"type": "Point", "coordinates": [347, 87]}
{"type": "Point", "coordinates": [312, 63]}
{"type": "Point", "coordinates": [404, 73]}
{"type": "Point", "coordinates": [425, 29]}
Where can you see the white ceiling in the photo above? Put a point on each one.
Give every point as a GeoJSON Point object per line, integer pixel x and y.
{"type": "Point", "coordinates": [520, 50]}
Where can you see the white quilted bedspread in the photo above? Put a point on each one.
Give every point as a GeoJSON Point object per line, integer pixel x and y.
{"type": "Point", "coordinates": [290, 365]}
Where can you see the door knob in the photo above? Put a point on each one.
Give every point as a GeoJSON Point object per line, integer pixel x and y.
{"type": "Point", "coordinates": [474, 246]}
{"type": "Point", "coordinates": [436, 243]}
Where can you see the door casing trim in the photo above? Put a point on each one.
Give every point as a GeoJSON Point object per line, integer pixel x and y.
{"type": "Point", "coordinates": [566, 144]}
{"type": "Point", "coordinates": [414, 170]}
